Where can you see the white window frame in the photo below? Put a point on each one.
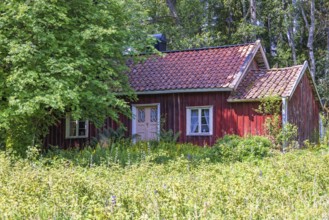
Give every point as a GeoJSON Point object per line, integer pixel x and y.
{"type": "Point", "coordinates": [188, 120]}
{"type": "Point", "coordinates": [68, 124]}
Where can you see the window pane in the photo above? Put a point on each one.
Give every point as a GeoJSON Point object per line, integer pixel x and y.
{"type": "Point", "coordinates": [141, 115]}
{"type": "Point", "coordinates": [204, 112]}
{"type": "Point", "coordinates": [154, 115]}
{"type": "Point", "coordinates": [194, 121]}
{"type": "Point", "coordinates": [204, 128]}
{"type": "Point", "coordinates": [82, 128]}
{"type": "Point", "coordinates": [73, 128]}
{"type": "Point", "coordinates": [205, 121]}
{"type": "Point", "coordinates": [82, 124]}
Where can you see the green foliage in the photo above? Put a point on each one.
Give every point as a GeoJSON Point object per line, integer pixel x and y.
{"type": "Point", "coordinates": [166, 136]}
{"type": "Point", "coordinates": [288, 135]}
{"type": "Point", "coordinates": [282, 137]}
{"type": "Point", "coordinates": [233, 148]}
{"type": "Point", "coordinates": [63, 56]}
{"type": "Point", "coordinates": [270, 105]}
{"type": "Point", "coordinates": [108, 136]}
{"type": "Point", "coordinates": [288, 186]}
{"type": "Point", "coordinates": [247, 32]}
{"type": "Point", "coordinates": [169, 136]}
{"type": "Point", "coordinates": [324, 140]}
{"type": "Point", "coordinates": [124, 153]}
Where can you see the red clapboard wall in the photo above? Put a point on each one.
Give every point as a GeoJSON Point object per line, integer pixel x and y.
{"type": "Point", "coordinates": [229, 118]}
{"type": "Point", "coordinates": [303, 111]}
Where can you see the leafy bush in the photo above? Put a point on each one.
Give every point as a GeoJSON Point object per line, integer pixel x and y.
{"type": "Point", "coordinates": [234, 148]}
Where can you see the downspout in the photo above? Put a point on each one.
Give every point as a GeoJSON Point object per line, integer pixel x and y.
{"type": "Point", "coordinates": [284, 119]}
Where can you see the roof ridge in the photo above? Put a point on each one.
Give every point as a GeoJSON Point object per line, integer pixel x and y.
{"type": "Point", "coordinates": [208, 48]}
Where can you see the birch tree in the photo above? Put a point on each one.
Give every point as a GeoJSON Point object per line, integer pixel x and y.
{"type": "Point", "coordinates": [311, 29]}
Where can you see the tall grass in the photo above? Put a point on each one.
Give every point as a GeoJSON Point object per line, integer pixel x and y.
{"type": "Point", "coordinates": [124, 153]}
{"type": "Point", "coordinates": [90, 184]}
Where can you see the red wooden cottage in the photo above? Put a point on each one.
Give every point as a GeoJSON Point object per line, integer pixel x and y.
{"type": "Point", "coordinates": [207, 93]}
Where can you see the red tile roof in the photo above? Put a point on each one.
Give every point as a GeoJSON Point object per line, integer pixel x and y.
{"type": "Point", "coordinates": [258, 84]}
{"type": "Point", "coordinates": [207, 68]}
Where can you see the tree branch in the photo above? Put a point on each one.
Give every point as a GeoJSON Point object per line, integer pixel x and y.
{"type": "Point", "coordinates": [173, 11]}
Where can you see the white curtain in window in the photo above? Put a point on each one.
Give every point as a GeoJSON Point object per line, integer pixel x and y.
{"type": "Point", "coordinates": [206, 116]}
{"type": "Point", "coordinates": [194, 120]}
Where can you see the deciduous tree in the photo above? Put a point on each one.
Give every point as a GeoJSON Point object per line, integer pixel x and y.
{"type": "Point", "coordinates": [63, 56]}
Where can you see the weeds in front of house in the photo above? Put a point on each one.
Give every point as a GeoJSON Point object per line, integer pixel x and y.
{"type": "Point", "coordinates": [122, 152]}
{"type": "Point", "coordinates": [88, 185]}
{"type": "Point", "coordinates": [233, 148]}
{"type": "Point", "coordinates": [238, 178]}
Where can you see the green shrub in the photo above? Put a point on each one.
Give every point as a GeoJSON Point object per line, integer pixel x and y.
{"type": "Point", "coordinates": [233, 148]}
{"type": "Point", "coordinates": [229, 140]}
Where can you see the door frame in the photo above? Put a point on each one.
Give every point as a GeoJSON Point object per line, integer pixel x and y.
{"type": "Point", "coordinates": [134, 114]}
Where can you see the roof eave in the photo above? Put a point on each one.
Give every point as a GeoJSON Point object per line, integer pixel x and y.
{"type": "Point", "coordinates": [171, 91]}
{"type": "Point", "coordinates": [243, 100]}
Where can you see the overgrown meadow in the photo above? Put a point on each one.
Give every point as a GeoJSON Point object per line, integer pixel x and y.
{"type": "Point", "coordinates": [237, 179]}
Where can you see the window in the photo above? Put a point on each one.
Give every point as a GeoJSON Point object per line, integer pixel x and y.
{"type": "Point", "coordinates": [154, 115]}
{"type": "Point", "coordinates": [141, 115]}
{"type": "Point", "coordinates": [76, 128]}
{"type": "Point", "coordinates": [199, 120]}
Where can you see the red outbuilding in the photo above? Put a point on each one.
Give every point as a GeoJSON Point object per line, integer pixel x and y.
{"type": "Point", "coordinates": [207, 93]}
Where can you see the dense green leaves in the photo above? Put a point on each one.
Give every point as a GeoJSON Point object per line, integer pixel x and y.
{"type": "Point", "coordinates": [63, 56]}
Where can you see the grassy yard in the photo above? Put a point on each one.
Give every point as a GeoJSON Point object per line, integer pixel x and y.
{"type": "Point", "coordinates": [164, 182]}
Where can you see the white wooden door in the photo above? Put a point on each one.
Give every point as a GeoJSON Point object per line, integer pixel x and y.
{"type": "Point", "coordinates": [147, 122]}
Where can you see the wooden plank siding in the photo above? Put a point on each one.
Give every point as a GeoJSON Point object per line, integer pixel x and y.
{"type": "Point", "coordinates": [228, 118]}
{"type": "Point", "coordinates": [303, 111]}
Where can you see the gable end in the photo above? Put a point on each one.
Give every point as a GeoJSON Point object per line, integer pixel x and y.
{"type": "Point", "coordinates": [259, 56]}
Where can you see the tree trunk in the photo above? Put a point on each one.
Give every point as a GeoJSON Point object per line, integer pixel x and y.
{"type": "Point", "coordinates": [290, 31]}
{"type": "Point", "coordinates": [244, 11]}
{"type": "Point", "coordinates": [311, 29]}
{"type": "Point", "coordinates": [253, 14]}
{"type": "Point", "coordinates": [295, 17]}
{"type": "Point", "coordinates": [327, 61]}
{"type": "Point", "coordinates": [173, 12]}
{"type": "Point", "coordinates": [291, 42]}
{"type": "Point", "coordinates": [273, 45]}
{"type": "Point", "coordinates": [311, 38]}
